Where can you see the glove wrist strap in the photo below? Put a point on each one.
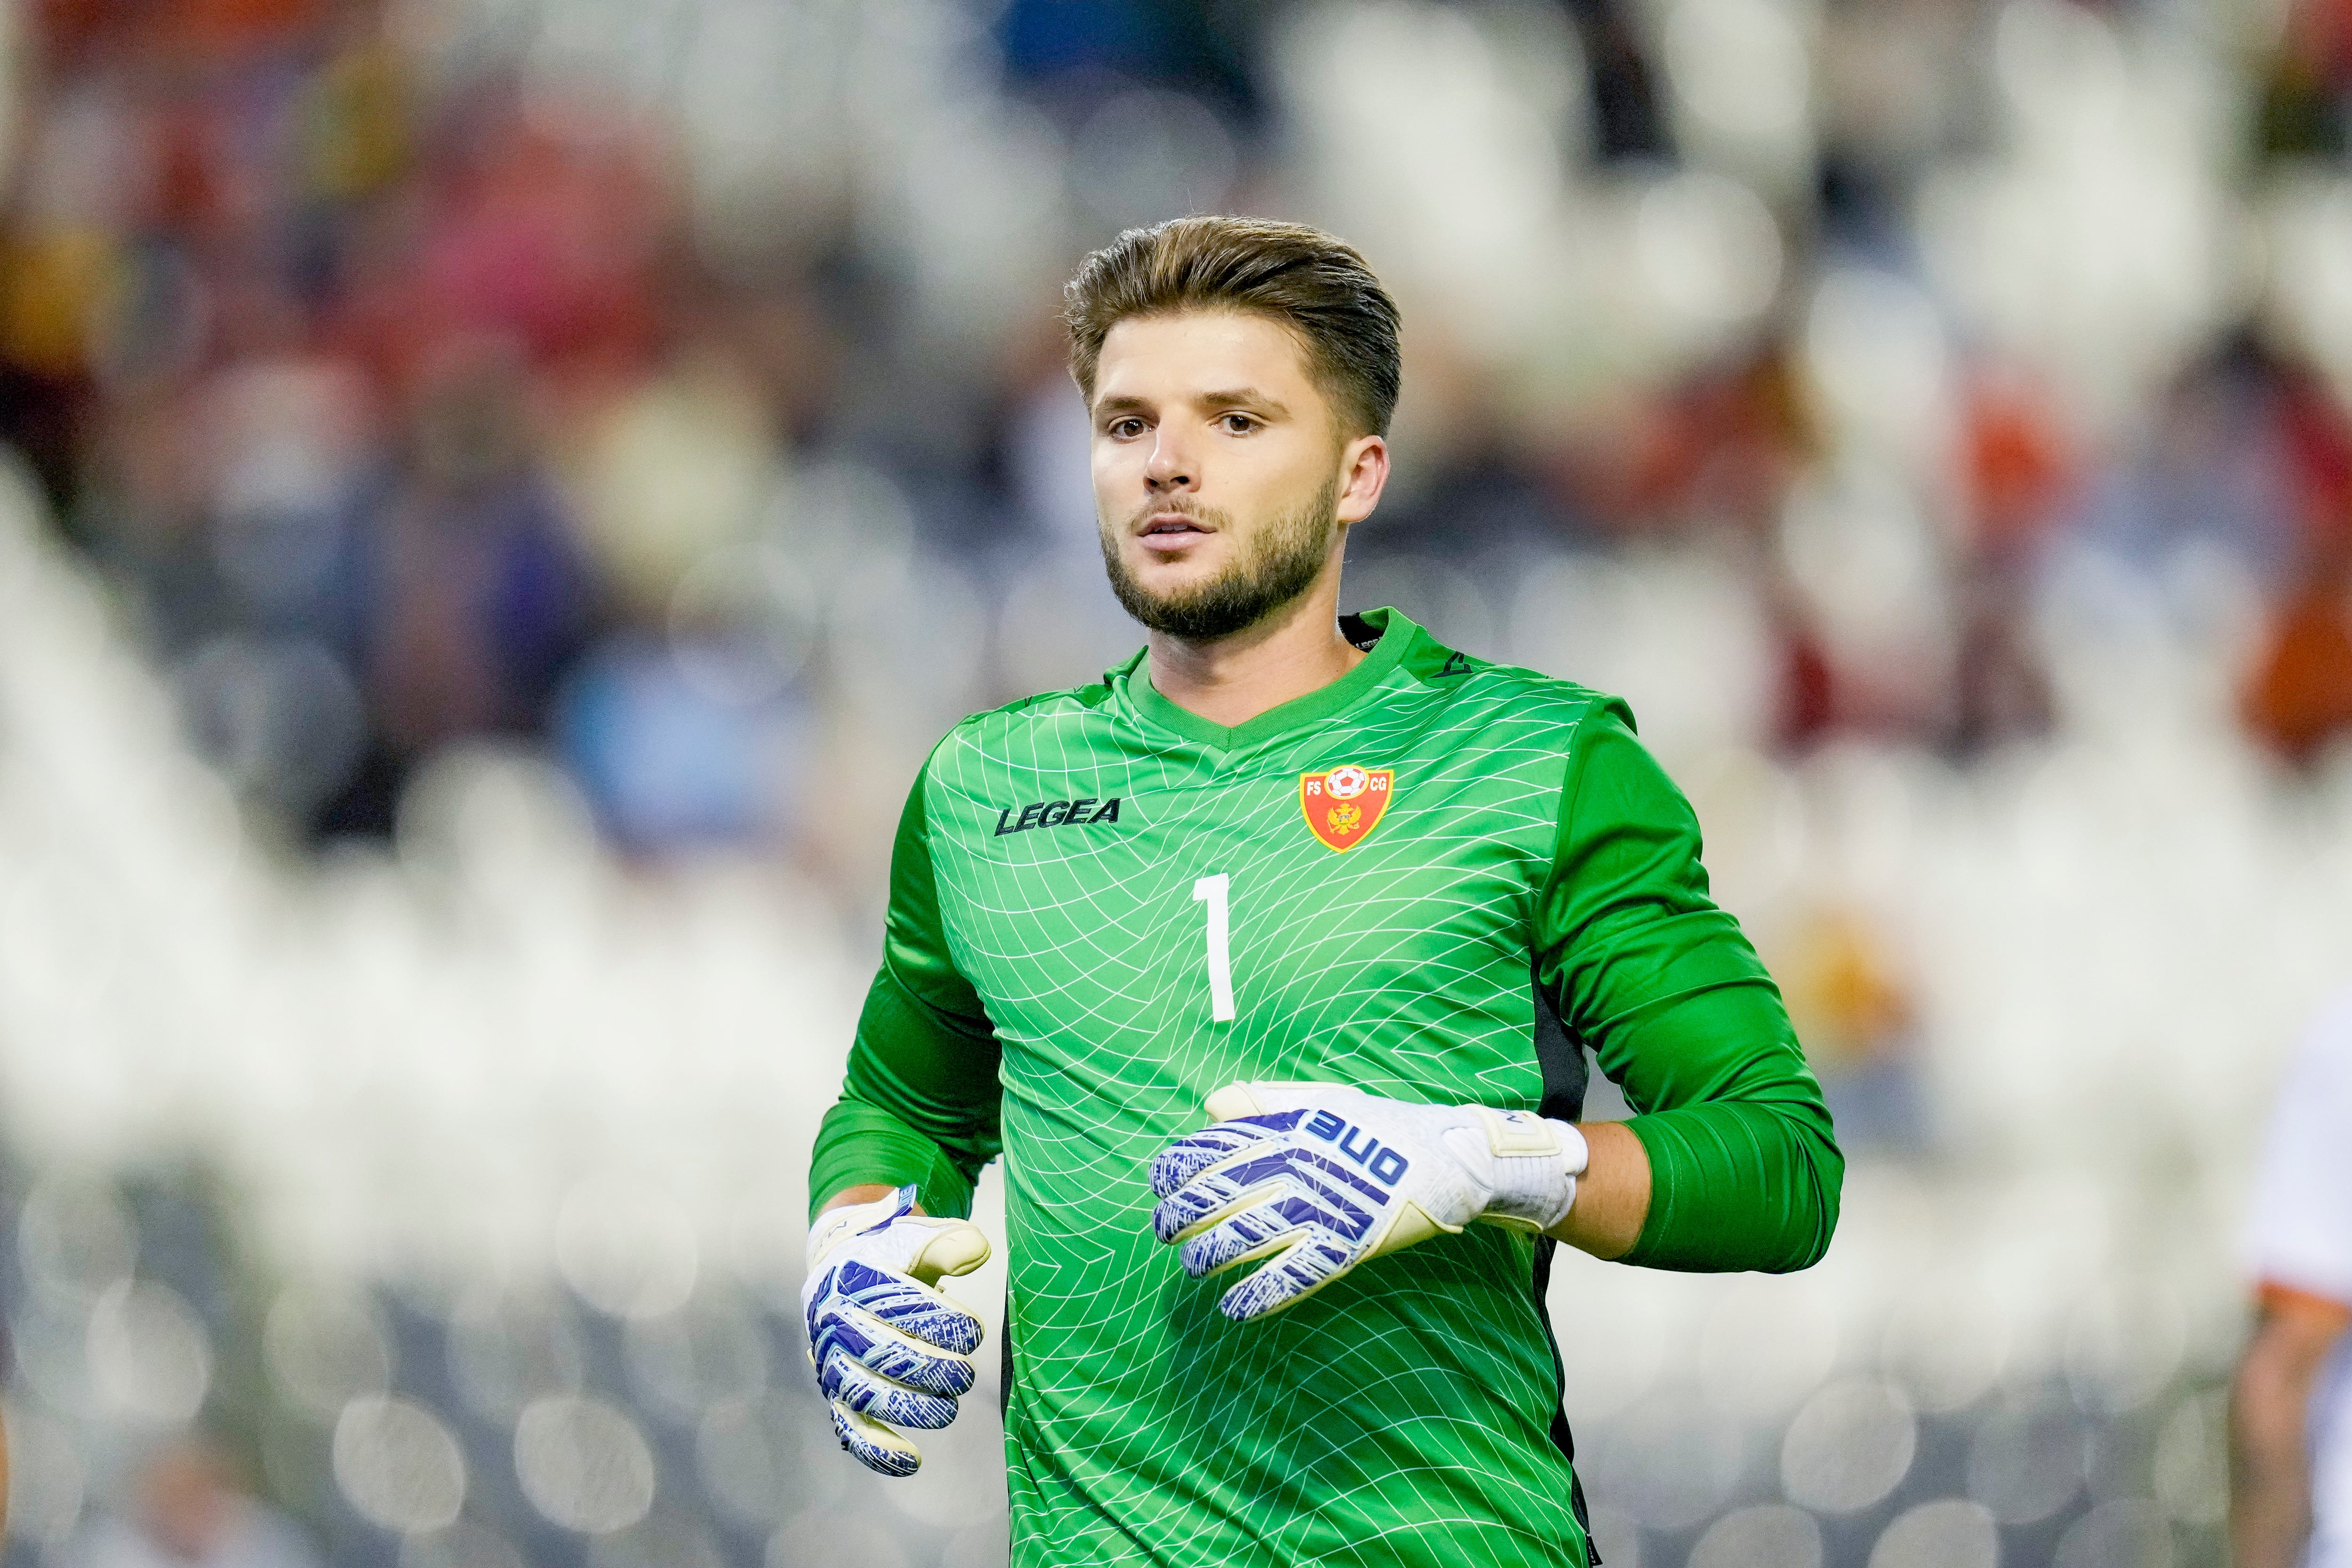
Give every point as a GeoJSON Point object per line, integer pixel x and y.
{"type": "Point", "coordinates": [829, 1229]}
{"type": "Point", "coordinates": [1536, 1166]}
{"type": "Point", "coordinates": [1576, 1154]}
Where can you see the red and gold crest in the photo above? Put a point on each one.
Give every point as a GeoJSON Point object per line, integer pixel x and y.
{"type": "Point", "coordinates": [1344, 805]}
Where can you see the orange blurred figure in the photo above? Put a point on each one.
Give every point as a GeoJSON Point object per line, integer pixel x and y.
{"type": "Point", "coordinates": [2301, 696]}
{"type": "Point", "coordinates": [186, 1511]}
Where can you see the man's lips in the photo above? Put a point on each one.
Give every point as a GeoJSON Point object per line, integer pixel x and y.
{"type": "Point", "coordinates": [1169, 532]}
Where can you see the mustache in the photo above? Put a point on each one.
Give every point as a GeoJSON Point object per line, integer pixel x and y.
{"type": "Point", "coordinates": [1210, 515]}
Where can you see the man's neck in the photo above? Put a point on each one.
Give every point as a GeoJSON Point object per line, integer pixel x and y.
{"type": "Point", "coordinates": [1233, 679]}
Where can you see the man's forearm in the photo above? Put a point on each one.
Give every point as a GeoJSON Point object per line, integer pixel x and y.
{"type": "Point", "coordinates": [1612, 1196]}
{"type": "Point", "coordinates": [2270, 1492]}
{"type": "Point", "coordinates": [2270, 1404]}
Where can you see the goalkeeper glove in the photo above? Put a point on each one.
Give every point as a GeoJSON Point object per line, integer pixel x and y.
{"type": "Point", "coordinates": [888, 1349]}
{"type": "Point", "coordinates": [1314, 1178]}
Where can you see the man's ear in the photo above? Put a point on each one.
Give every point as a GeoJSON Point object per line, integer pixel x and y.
{"type": "Point", "coordinates": [1363, 475]}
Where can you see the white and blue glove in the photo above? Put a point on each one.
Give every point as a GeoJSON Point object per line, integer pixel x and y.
{"type": "Point", "coordinates": [1314, 1178]}
{"type": "Point", "coordinates": [890, 1349]}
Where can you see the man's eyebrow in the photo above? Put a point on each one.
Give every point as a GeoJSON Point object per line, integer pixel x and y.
{"type": "Point", "coordinates": [1248, 397]}
{"type": "Point", "coordinates": [1239, 396]}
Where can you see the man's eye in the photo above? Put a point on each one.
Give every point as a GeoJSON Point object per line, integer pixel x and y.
{"type": "Point", "coordinates": [1129, 426]}
{"type": "Point", "coordinates": [1239, 424]}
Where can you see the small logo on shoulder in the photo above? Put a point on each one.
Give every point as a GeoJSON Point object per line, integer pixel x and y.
{"type": "Point", "coordinates": [1056, 814]}
{"type": "Point", "coordinates": [1457, 664]}
{"type": "Point", "coordinates": [1343, 806]}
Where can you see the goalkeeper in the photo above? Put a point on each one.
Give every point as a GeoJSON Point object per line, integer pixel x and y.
{"type": "Point", "coordinates": [1269, 963]}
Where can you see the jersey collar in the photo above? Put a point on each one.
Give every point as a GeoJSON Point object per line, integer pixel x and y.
{"type": "Point", "coordinates": [1398, 631]}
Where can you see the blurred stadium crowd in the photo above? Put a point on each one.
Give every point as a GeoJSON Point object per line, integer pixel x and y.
{"type": "Point", "coordinates": [560, 463]}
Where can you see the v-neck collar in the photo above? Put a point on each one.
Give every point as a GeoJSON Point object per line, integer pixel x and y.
{"type": "Point", "coordinates": [1397, 632]}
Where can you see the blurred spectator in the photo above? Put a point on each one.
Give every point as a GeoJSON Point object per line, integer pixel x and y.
{"type": "Point", "coordinates": [1721, 451]}
{"type": "Point", "coordinates": [2211, 469]}
{"type": "Point", "coordinates": [695, 741]}
{"type": "Point", "coordinates": [1805, 682]}
{"type": "Point", "coordinates": [2016, 471]}
{"type": "Point", "coordinates": [1481, 499]}
{"type": "Point", "coordinates": [408, 368]}
{"type": "Point", "coordinates": [2018, 480]}
{"type": "Point", "coordinates": [1086, 46]}
{"type": "Point", "coordinates": [675, 470]}
{"type": "Point", "coordinates": [186, 1511]}
{"type": "Point", "coordinates": [2300, 697]}
{"type": "Point", "coordinates": [1852, 1010]}
{"type": "Point", "coordinates": [1629, 123]}
{"type": "Point", "coordinates": [2306, 102]}
{"type": "Point", "coordinates": [473, 597]}
{"type": "Point", "coordinates": [2291, 1427]}
{"type": "Point", "coordinates": [2000, 689]}
{"type": "Point", "coordinates": [1897, 85]}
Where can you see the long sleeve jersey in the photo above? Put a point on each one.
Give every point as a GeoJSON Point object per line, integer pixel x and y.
{"type": "Point", "coordinates": [1438, 880]}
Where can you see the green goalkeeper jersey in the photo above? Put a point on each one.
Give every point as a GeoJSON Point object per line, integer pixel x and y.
{"type": "Point", "coordinates": [1437, 880]}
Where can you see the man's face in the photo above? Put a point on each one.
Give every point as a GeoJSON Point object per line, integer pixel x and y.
{"type": "Point", "coordinates": [1220, 475]}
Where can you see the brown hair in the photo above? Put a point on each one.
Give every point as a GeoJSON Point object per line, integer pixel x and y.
{"type": "Point", "coordinates": [1314, 284]}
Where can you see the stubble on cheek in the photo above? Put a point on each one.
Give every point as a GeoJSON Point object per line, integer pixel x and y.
{"type": "Point", "coordinates": [1260, 574]}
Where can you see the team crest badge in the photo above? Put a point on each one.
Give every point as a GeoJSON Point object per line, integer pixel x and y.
{"type": "Point", "coordinates": [1344, 805]}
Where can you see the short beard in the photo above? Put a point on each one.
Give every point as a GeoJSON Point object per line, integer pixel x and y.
{"type": "Point", "coordinates": [1279, 565]}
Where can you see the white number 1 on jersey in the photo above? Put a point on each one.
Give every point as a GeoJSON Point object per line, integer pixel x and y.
{"type": "Point", "coordinates": [1212, 891]}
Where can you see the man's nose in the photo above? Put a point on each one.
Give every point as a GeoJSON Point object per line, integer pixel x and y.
{"type": "Point", "coordinates": [1172, 467]}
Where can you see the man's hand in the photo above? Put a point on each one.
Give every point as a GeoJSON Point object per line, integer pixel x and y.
{"type": "Point", "coordinates": [889, 1349]}
{"type": "Point", "coordinates": [1314, 1178]}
